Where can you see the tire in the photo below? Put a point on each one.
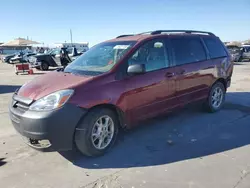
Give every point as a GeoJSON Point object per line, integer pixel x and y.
{"type": "Point", "coordinates": [84, 134]}
{"type": "Point", "coordinates": [210, 103]}
{"type": "Point", "coordinates": [240, 59]}
{"type": "Point", "coordinates": [44, 66]}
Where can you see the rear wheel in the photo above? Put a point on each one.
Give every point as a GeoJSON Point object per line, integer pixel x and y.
{"type": "Point", "coordinates": [44, 66]}
{"type": "Point", "coordinates": [216, 97]}
{"type": "Point", "coordinates": [240, 59]}
{"type": "Point", "coordinates": [97, 132]}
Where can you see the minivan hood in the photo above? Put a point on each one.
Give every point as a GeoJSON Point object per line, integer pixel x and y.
{"type": "Point", "coordinates": [49, 83]}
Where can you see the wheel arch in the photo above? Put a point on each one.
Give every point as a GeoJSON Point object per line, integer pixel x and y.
{"type": "Point", "coordinates": [223, 81]}
{"type": "Point", "coordinates": [120, 114]}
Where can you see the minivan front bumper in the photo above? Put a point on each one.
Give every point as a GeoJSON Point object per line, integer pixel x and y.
{"type": "Point", "coordinates": [54, 129]}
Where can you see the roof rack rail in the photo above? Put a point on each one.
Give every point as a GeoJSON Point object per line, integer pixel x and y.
{"type": "Point", "coordinates": [147, 32]}
{"type": "Point", "coordinates": [120, 36]}
{"type": "Point", "coordinates": [180, 31]}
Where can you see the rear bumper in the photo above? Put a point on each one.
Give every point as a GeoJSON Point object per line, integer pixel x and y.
{"type": "Point", "coordinates": [57, 127]}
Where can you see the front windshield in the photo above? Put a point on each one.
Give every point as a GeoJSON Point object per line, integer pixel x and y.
{"type": "Point", "coordinates": [100, 58]}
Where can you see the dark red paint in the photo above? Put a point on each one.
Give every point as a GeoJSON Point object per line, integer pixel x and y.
{"type": "Point", "coordinates": [137, 97]}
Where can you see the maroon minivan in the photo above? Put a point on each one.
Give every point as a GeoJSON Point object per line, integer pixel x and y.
{"type": "Point", "coordinates": [118, 83]}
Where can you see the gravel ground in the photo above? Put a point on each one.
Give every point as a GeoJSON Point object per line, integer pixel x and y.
{"type": "Point", "coordinates": [185, 149]}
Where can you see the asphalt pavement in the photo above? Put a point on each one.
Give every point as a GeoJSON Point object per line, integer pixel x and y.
{"type": "Point", "coordinates": [188, 148]}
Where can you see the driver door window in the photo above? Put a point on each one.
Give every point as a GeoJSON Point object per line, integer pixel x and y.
{"type": "Point", "coordinates": [56, 56]}
{"type": "Point", "coordinates": [152, 54]}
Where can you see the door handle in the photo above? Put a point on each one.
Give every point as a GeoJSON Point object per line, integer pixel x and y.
{"type": "Point", "coordinates": [169, 74]}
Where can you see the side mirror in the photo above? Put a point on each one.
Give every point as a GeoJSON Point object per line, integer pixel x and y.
{"type": "Point", "coordinates": [136, 69]}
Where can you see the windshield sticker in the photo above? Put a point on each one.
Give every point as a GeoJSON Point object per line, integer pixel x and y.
{"type": "Point", "coordinates": [121, 47]}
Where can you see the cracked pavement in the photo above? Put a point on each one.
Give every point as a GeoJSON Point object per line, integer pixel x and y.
{"type": "Point", "coordinates": [188, 148]}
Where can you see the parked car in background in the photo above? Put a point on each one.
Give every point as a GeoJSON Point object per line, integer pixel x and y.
{"type": "Point", "coordinates": [245, 50]}
{"type": "Point", "coordinates": [84, 46]}
{"type": "Point", "coordinates": [79, 54]}
{"type": "Point", "coordinates": [17, 56]}
{"type": "Point", "coordinates": [22, 57]}
{"type": "Point", "coordinates": [117, 84]}
{"type": "Point", "coordinates": [236, 52]}
{"type": "Point", "coordinates": [51, 58]}
{"type": "Point", "coordinates": [7, 58]}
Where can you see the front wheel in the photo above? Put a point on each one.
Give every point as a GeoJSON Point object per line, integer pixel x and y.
{"type": "Point", "coordinates": [97, 132]}
{"type": "Point", "coordinates": [216, 97]}
{"type": "Point", "coordinates": [44, 66]}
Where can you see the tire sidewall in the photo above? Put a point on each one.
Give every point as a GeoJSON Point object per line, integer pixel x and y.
{"type": "Point", "coordinates": [216, 85]}
{"type": "Point", "coordinates": [83, 138]}
{"type": "Point", "coordinates": [44, 63]}
{"type": "Point", "coordinates": [240, 59]}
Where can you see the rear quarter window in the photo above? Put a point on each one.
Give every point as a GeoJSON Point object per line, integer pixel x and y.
{"type": "Point", "coordinates": [215, 48]}
{"type": "Point", "coordinates": [188, 50]}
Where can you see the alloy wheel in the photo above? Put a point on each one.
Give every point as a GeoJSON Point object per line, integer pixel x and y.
{"type": "Point", "coordinates": [217, 97]}
{"type": "Point", "coordinates": [102, 132]}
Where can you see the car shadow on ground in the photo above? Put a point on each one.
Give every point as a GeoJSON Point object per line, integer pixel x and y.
{"type": "Point", "coordinates": [8, 88]}
{"type": "Point", "coordinates": [185, 134]}
{"type": "Point", "coordinates": [34, 73]}
{"type": "Point", "coordinates": [2, 162]}
{"type": "Point", "coordinates": [39, 73]}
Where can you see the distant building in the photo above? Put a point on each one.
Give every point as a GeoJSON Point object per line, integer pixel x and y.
{"type": "Point", "coordinates": [238, 43]}
{"type": "Point", "coordinates": [246, 42]}
{"type": "Point", "coordinates": [12, 49]}
{"type": "Point", "coordinates": [83, 46]}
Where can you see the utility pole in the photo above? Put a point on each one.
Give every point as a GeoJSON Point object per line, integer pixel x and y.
{"type": "Point", "coordinates": [71, 37]}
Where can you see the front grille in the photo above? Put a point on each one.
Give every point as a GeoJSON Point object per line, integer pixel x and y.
{"type": "Point", "coordinates": [20, 103]}
{"type": "Point", "coordinates": [21, 106]}
{"type": "Point", "coordinates": [18, 107]}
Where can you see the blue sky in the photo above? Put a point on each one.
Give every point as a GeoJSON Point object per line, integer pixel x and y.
{"type": "Point", "coordinates": [49, 21]}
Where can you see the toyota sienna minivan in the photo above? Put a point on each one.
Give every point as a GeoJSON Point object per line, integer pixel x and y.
{"type": "Point", "coordinates": [117, 84]}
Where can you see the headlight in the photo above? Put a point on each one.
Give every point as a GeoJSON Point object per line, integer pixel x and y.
{"type": "Point", "coordinates": [52, 101]}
